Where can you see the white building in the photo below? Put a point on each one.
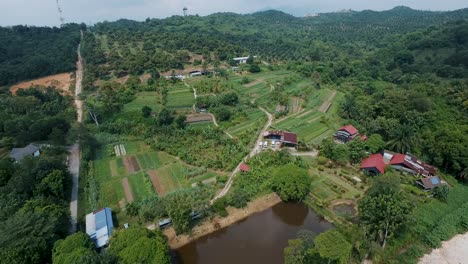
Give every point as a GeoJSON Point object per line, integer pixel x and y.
{"type": "Point", "coordinates": [242, 60]}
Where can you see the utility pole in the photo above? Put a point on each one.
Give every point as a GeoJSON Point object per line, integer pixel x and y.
{"type": "Point", "coordinates": [62, 20]}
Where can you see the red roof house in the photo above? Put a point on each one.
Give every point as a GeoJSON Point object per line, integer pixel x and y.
{"type": "Point", "coordinates": [411, 164]}
{"type": "Point", "coordinates": [244, 167]}
{"type": "Point", "coordinates": [374, 164]}
{"type": "Point", "coordinates": [350, 129]}
{"type": "Point", "coordinates": [346, 133]}
{"type": "Point", "coordinates": [286, 138]}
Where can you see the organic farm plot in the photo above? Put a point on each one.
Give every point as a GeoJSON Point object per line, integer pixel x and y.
{"type": "Point", "coordinates": [180, 97]}
{"type": "Point", "coordinates": [328, 185]}
{"type": "Point", "coordinates": [253, 120]}
{"type": "Point", "coordinates": [142, 173]}
{"type": "Point", "coordinates": [307, 126]}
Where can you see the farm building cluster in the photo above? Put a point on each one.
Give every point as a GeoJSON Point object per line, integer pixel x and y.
{"type": "Point", "coordinates": [279, 139]}
{"type": "Point", "coordinates": [408, 163]}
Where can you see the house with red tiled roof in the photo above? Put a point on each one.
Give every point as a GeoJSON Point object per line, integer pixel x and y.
{"type": "Point", "coordinates": [348, 133]}
{"type": "Point", "coordinates": [373, 164]}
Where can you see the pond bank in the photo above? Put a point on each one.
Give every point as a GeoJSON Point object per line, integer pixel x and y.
{"type": "Point", "coordinates": [211, 225]}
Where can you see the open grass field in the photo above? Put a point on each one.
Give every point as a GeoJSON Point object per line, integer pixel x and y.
{"type": "Point", "coordinates": [180, 97]}
{"type": "Point", "coordinates": [150, 99]}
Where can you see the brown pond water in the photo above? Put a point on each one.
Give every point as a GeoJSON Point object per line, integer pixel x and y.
{"type": "Point", "coordinates": [258, 239]}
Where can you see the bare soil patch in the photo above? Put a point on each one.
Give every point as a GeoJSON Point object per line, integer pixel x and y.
{"type": "Point", "coordinates": [158, 187]}
{"type": "Point", "coordinates": [128, 165]}
{"type": "Point", "coordinates": [211, 225]}
{"type": "Point", "coordinates": [60, 81]}
{"type": "Point", "coordinates": [296, 105]}
{"type": "Point", "coordinates": [135, 165]}
{"type": "Point", "coordinates": [127, 190]}
{"type": "Point", "coordinates": [194, 118]}
{"type": "Point", "coordinates": [451, 251]}
{"type": "Point", "coordinates": [113, 167]}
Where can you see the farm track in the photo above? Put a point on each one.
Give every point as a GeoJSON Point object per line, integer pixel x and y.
{"type": "Point", "coordinates": [326, 105]}
{"type": "Point", "coordinates": [74, 157]}
{"type": "Point", "coordinates": [252, 153]}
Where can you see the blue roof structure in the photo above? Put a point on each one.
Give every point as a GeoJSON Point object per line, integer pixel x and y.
{"type": "Point", "coordinates": [435, 180]}
{"type": "Point", "coordinates": [99, 226]}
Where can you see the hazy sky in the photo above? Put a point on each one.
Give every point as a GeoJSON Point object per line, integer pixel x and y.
{"type": "Point", "coordinates": [44, 12]}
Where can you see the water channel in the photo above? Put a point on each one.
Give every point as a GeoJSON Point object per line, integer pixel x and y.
{"type": "Point", "coordinates": [258, 239]}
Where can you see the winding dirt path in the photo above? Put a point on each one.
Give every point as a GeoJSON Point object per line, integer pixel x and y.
{"type": "Point", "coordinates": [252, 153]}
{"type": "Point", "coordinates": [74, 157]}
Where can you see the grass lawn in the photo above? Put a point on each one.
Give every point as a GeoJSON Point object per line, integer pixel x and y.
{"type": "Point", "coordinates": [151, 99]}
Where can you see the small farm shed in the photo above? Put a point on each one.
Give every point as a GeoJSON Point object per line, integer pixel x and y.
{"type": "Point", "coordinates": [244, 167]}
{"type": "Point", "coordinates": [99, 226]}
{"type": "Point", "coordinates": [373, 164]}
{"type": "Point", "coordinates": [31, 150]}
{"type": "Point", "coordinates": [429, 183]}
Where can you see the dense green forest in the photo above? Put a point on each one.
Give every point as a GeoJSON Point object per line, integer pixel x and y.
{"type": "Point", "coordinates": [28, 52]}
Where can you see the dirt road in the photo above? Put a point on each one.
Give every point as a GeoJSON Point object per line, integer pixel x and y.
{"type": "Point", "coordinates": [252, 153]}
{"type": "Point", "coordinates": [309, 153]}
{"type": "Point", "coordinates": [74, 157]}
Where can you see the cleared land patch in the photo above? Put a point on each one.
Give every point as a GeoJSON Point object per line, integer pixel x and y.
{"type": "Point", "coordinates": [156, 182]}
{"type": "Point", "coordinates": [60, 81]}
{"type": "Point", "coordinates": [127, 190]}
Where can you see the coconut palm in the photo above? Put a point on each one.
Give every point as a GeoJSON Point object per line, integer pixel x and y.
{"type": "Point", "coordinates": [403, 139]}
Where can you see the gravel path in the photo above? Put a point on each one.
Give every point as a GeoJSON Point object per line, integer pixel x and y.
{"type": "Point", "coordinates": [74, 157]}
{"type": "Point", "coordinates": [453, 251]}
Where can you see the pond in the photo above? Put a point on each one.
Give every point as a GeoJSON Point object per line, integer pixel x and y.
{"type": "Point", "coordinates": [260, 238]}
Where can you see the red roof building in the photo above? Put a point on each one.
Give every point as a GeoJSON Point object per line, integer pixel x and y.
{"type": "Point", "coordinates": [244, 167]}
{"type": "Point", "coordinates": [347, 133]}
{"type": "Point", "coordinates": [284, 137]}
{"type": "Point", "coordinates": [350, 129]}
{"type": "Point", "coordinates": [290, 138]}
{"type": "Point", "coordinates": [411, 164]}
{"type": "Point", "coordinates": [374, 164]}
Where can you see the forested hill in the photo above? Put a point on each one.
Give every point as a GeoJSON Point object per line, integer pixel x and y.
{"type": "Point", "coordinates": [29, 52]}
{"type": "Point", "coordinates": [273, 34]}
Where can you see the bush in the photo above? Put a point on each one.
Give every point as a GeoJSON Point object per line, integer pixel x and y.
{"type": "Point", "coordinates": [219, 206]}
{"type": "Point", "coordinates": [291, 183]}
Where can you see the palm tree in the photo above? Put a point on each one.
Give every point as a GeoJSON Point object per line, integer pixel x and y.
{"type": "Point", "coordinates": [403, 139]}
{"type": "Point", "coordinates": [464, 174]}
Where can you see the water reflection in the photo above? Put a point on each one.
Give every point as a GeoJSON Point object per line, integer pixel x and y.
{"type": "Point", "coordinates": [292, 214]}
{"type": "Point", "coordinates": [260, 238]}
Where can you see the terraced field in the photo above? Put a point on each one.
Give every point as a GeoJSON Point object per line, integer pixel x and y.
{"type": "Point", "coordinates": [254, 120]}
{"type": "Point", "coordinates": [307, 125]}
